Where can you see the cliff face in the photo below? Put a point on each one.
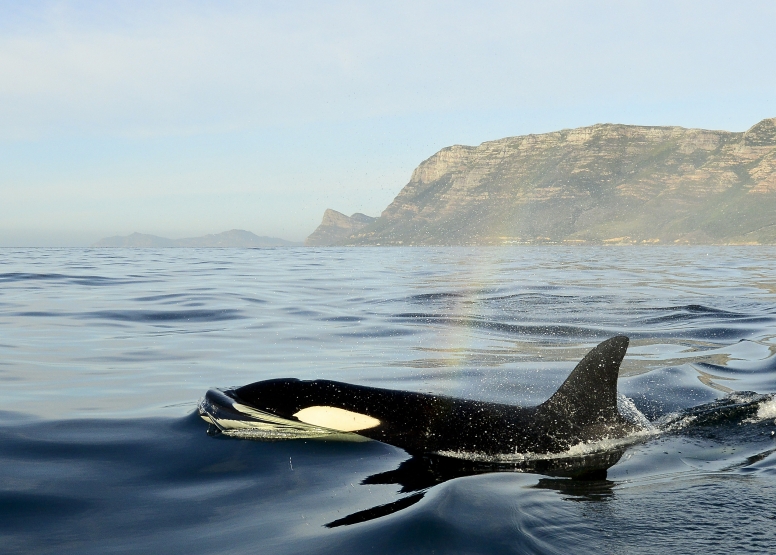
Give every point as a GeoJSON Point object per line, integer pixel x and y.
{"type": "Point", "coordinates": [336, 228]}
{"type": "Point", "coordinates": [600, 184]}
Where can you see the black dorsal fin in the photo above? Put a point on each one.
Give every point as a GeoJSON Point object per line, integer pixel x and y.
{"type": "Point", "coordinates": [590, 391]}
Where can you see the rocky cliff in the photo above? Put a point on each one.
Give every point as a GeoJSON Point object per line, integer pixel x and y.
{"type": "Point", "coordinates": [601, 184]}
{"type": "Point", "coordinates": [337, 228]}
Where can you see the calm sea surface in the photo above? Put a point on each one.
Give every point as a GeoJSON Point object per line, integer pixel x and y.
{"type": "Point", "coordinates": [104, 354]}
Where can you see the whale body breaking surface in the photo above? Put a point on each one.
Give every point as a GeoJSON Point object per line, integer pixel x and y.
{"type": "Point", "coordinates": [583, 410]}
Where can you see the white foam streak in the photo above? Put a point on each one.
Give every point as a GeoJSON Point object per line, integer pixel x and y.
{"type": "Point", "coordinates": [582, 449]}
{"type": "Point", "coordinates": [765, 411]}
{"type": "Point", "coordinates": [673, 422]}
{"type": "Point", "coordinates": [628, 410]}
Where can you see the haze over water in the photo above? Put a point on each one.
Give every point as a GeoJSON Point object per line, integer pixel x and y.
{"type": "Point", "coordinates": [104, 354]}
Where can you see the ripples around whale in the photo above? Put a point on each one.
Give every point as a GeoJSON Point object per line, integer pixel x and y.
{"type": "Point", "coordinates": [105, 353]}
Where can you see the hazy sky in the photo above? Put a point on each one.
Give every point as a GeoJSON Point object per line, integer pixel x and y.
{"type": "Point", "coordinates": [185, 118]}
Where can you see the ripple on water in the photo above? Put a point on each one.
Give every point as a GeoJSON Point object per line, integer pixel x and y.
{"type": "Point", "coordinates": [104, 351]}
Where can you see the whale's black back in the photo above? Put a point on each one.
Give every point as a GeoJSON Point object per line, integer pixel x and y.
{"type": "Point", "coordinates": [584, 408]}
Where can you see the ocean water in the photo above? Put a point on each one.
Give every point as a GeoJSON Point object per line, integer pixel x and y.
{"type": "Point", "coordinates": [105, 353]}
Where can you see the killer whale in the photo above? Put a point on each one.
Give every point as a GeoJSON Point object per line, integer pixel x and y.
{"type": "Point", "coordinates": [449, 438]}
{"type": "Point", "coordinates": [583, 409]}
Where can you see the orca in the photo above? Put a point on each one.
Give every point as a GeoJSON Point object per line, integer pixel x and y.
{"type": "Point", "coordinates": [582, 410]}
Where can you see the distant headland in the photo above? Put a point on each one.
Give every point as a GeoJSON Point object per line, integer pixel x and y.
{"type": "Point", "coordinates": [234, 238]}
{"type": "Point", "coordinates": [604, 184]}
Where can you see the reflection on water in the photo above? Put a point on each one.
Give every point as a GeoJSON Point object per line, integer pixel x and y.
{"type": "Point", "coordinates": [585, 476]}
{"type": "Point", "coordinates": [422, 472]}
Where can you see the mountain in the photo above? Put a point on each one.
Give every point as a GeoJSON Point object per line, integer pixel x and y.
{"type": "Point", "coordinates": [337, 227]}
{"type": "Point", "coordinates": [602, 184]}
{"type": "Point", "coordinates": [234, 238]}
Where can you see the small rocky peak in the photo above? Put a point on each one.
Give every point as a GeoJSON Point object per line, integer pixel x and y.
{"type": "Point", "coordinates": [332, 217]}
{"type": "Point", "coordinates": [362, 218]}
{"type": "Point", "coordinates": [336, 228]}
{"type": "Point", "coordinates": [761, 134]}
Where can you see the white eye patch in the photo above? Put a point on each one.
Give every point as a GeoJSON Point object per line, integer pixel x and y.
{"type": "Point", "coordinates": [336, 419]}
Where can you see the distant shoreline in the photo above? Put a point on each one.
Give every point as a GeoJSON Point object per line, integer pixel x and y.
{"type": "Point", "coordinates": [478, 246]}
{"type": "Point", "coordinates": [235, 238]}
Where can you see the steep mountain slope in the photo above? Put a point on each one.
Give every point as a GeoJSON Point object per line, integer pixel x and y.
{"type": "Point", "coordinates": [601, 184]}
